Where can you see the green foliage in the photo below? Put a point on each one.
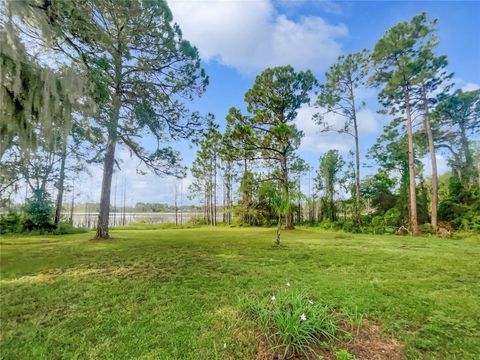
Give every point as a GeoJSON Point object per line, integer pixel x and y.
{"type": "Point", "coordinates": [427, 229]}
{"type": "Point", "coordinates": [378, 189]}
{"type": "Point", "coordinates": [204, 170]}
{"type": "Point", "coordinates": [461, 207]}
{"type": "Point", "coordinates": [66, 228]}
{"type": "Point", "coordinates": [392, 217]}
{"type": "Point", "coordinates": [456, 122]}
{"type": "Point", "coordinates": [344, 355]}
{"type": "Point", "coordinates": [269, 131]}
{"type": "Point", "coordinates": [292, 323]}
{"type": "Point", "coordinates": [328, 180]}
{"type": "Point", "coordinates": [251, 210]}
{"type": "Point", "coordinates": [10, 223]}
{"type": "Point", "coordinates": [36, 101]}
{"type": "Point", "coordinates": [422, 203]}
{"type": "Point", "coordinates": [279, 201]}
{"type": "Point", "coordinates": [38, 212]}
{"type": "Point", "coordinates": [397, 57]}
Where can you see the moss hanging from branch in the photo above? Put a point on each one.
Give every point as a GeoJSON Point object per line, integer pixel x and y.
{"type": "Point", "coordinates": [35, 99]}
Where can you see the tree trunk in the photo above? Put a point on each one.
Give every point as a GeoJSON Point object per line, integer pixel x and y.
{"type": "Point", "coordinates": [357, 175]}
{"type": "Point", "coordinates": [72, 205]}
{"type": "Point", "coordinates": [215, 190]}
{"type": "Point", "coordinates": [467, 166]}
{"type": "Point", "coordinates": [205, 210]}
{"type": "Point", "coordinates": [61, 181]}
{"type": "Point", "coordinates": [176, 207]}
{"type": "Point", "coordinates": [279, 229]}
{"type": "Point", "coordinates": [433, 156]}
{"type": "Point", "coordinates": [104, 213]}
{"type": "Point", "coordinates": [357, 159]}
{"type": "Point", "coordinates": [411, 166]}
{"type": "Point", "coordinates": [288, 215]}
{"type": "Point", "coordinates": [124, 219]}
{"type": "Point", "coordinates": [228, 217]}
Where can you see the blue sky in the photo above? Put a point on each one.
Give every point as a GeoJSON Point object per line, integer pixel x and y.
{"type": "Point", "coordinates": [238, 39]}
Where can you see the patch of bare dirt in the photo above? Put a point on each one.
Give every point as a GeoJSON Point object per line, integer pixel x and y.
{"type": "Point", "coordinates": [367, 344]}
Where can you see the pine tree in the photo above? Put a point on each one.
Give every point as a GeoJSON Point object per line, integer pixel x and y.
{"type": "Point", "coordinates": [397, 64]}
{"type": "Point", "coordinates": [269, 132]}
{"type": "Point", "coordinates": [134, 52]}
{"type": "Point", "coordinates": [338, 96]}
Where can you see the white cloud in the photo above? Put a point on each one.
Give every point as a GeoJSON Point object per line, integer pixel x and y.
{"type": "Point", "coordinates": [252, 35]}
{"type": "Point", "coordinates": [464, 85]}
{"type": "Point", "coordinates": [318, 142]}
{"type": "Point", "coordinates": [367, 121]}
{"type": "Point", "coordinates": [470, 87]}
{"type": "Point", "coordinates": [328, 6]}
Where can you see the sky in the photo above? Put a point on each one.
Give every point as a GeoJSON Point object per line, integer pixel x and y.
{"type": "Point", "coordinates": [238, 39]}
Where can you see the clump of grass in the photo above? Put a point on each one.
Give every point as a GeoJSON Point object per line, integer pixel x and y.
{"type": "Point", "coordinates": [355, 318]}
{"type": "Point", "coordinates": [344, 355]}
{"type": "Point", "coordinates": [292, 323]}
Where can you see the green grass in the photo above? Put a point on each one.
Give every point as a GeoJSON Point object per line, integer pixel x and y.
{"type": "Point", "coordinates": [177, 294]}
{"type": "Point", "coordinates": [291, 322]}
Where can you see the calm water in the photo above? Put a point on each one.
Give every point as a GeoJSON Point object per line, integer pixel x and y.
{"type": "Point", "coordinates": [89, 220]}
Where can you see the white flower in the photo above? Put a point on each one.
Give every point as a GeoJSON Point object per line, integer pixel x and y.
{"type": "Point", "coordinates": [224, 345]}
{"type": "Point", "coordinates": [273, 298]}
{"type": "Point", "coordinates": [310, 302]}
{"type": "Point", "coordinates": [303, 317]}
{"type": "Point", "coordinates": [288, 283]}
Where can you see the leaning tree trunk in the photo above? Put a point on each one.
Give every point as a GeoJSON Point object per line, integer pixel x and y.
{"type": "Point", "coordinates": [433, 156]}
{"type": "Point", "coordinates": [61, 181]}
{"type": "Point", "coordinates": [411, 166]}
{"type": "Point", "coordinates": [104, 214]}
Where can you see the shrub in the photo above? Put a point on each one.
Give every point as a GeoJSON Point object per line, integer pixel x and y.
{"type": "Point", "coordinates": [38, 213]}
{"type": "Point", "coordinates": [344, 355]}
{"type": "Point", "coordinates": [65, 228]}
{"type": "Point", "coordinates": [291, 322]}
{"type": "Point", "coordinates": [10, 223]}
{"type": "Point", "coordinates": [392, 217]}
{"type": "Point", "coordinates": [427, 229]}
{"type": "Point", "coordinates": [377, 221]}
{"type": "Point", "coordinates": [390, 230]}
{"type": "Point", "coordinates": [197, 220]}
{"type": "Point", "coordinates": [349, 226]}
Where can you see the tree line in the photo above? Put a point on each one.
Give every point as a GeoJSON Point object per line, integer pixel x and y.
{"type": "Point", "coordinates": [99, 74]}
{"type": "Point", "coordinates": [415, 89]}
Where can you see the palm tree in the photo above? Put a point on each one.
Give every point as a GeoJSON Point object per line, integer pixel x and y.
{"type": "Point", "coordinates": [281, 202]}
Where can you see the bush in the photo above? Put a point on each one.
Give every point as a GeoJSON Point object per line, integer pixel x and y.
{"type": "Point", "coordinates": [291, 322]}
{"type": "Point", "coordinates": [392, 217]}
{"type": "Point", "coordinates": [38, 213]}
{"type": "Point", "coordinates": [65, 228]}
{"type": "Point", "coordinates": [349, 226]}
{"type": "Point", "coordinates": [427, 229]}
{"type": "Point", "coordinates": [197, 220]}
{"type": "Point", "coordinates": [10, 223]}
{"type": "Point", "coordinates": [377, 221]}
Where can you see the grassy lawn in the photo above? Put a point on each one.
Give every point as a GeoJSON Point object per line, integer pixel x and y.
{"type": "Point", "coordinates": [175, 293]}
